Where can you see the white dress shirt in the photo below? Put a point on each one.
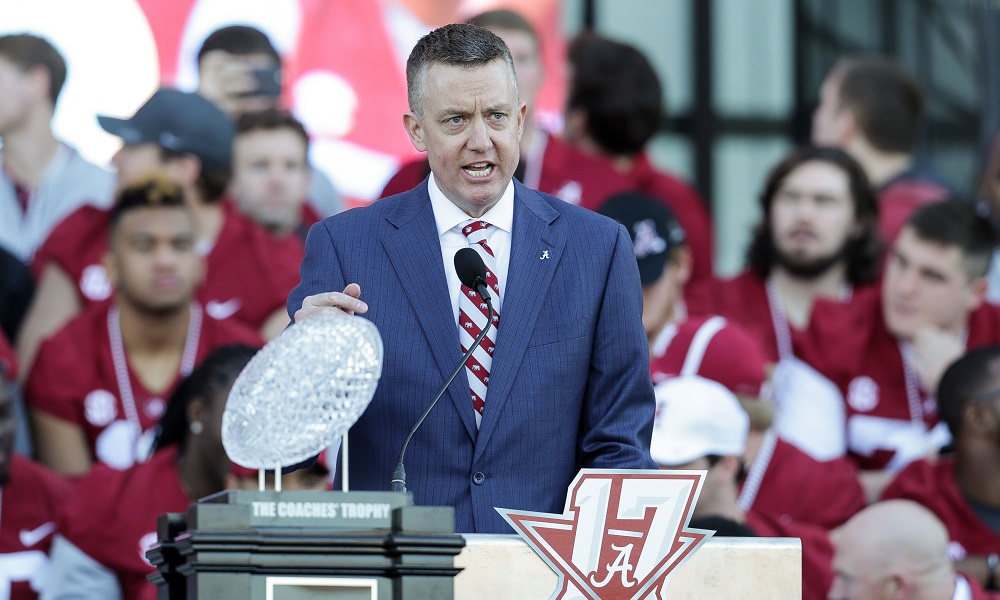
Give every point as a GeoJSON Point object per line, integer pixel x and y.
{"type": "Point", "coordinates": [449, 219]}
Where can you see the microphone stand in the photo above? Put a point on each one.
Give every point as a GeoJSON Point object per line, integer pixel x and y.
{"type": "Point", "coordinates": [398, 483]}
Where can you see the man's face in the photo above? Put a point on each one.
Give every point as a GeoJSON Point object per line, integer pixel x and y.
{"type": "Point", "coordinates": [8, 427]}
{"type": "Point", "coordinates": [135, 160]}
{"type": "Point", "coordinates": [660, 298]}
{"type": "Point", "coordinates": [926, 285]}
{"type": "Point", "coordinates": [829, 118]}
{"type": "Point", "coordinates": [812, 218]}
{"type": "Point", "coordinates": [470, 125]}
{"type": "Point", "coordinates": [271, 177]}
{"type": "Point", "coordinates": [152, 261]}
{"type": "Point", "coordinates": [228, 81]}
{"type": "Point", "coordinates": [16, 97]}
{"type": "Point", "coordinates": [527, 62]}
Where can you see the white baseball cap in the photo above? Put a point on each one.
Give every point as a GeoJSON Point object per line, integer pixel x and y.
{"type": "Point", "coordinates": [696, 417]}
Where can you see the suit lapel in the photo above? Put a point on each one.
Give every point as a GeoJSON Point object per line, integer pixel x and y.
{"type": "Point", "coordinates": [414, 249]}
{"type": "Point", "coordinates": [528, 279]}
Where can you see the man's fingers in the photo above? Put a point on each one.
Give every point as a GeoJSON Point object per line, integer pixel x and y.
{"type": "Point", "coordinates": [341, 301]}
{"type": "Point", "coordinates": [353, 290]}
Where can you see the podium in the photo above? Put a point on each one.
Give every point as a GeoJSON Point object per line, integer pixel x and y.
{"type": "Point", "coordinates": [250, 545]}
{"type": "Point", "coordinates": [378, 546]}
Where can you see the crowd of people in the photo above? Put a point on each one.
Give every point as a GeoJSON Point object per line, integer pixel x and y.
{"type": "Point", "coordinates": [844, 389]}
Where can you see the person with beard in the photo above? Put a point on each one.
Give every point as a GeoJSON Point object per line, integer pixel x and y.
{"type": "Point", "coordinates": [96, 390]}
{"type": "Point", "coordinates": [105, 528]}
{"type": "Point", "coordinates": [30, 497]}
{"type": "Point", "coordinates": [816, 239]}
{"type": "Point", "coordinates": [963, 488]}
{"type": "Point", "coordinates": [887, 350]}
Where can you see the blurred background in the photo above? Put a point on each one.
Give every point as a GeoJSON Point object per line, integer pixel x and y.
{"type": "Point", "coordinates": [741, 77]}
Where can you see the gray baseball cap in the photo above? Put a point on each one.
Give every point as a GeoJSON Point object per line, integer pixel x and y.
{"type": "Point", "coordinates": [178, 121]}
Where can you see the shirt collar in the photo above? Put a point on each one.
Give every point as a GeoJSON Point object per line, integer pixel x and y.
{"type": "Point", "coordinates": [447, 216]}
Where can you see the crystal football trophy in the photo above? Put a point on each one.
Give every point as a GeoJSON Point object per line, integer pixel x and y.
{"type": "Point", "coordinates": [302, 392]}
{"type": "Point", "coordinates": [295, 398]}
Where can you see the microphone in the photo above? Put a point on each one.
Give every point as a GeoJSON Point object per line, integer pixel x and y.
{"type": "Point", "coordinates": [471, 272]}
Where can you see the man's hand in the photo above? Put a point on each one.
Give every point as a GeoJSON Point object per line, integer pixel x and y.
{"type": "Point", "coordinates": [934, 351]}
{"type": "Point", "coordinates": [225, 78]}
{"type": "Point", "coordinates": [332, 303]}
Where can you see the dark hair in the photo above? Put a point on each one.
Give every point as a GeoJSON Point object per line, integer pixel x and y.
{"type": "Point", "coordinates": [966, 378]}
{"type": "Point", "coordinates": [150, 190]}
{"type": "Point", "coordinates": [213, 180]}
{"type": "Point", "coordinates": [458, 44]}
{"type": "Point", "coordinates": [885, 99]}
{"type": "Point", "coordinates": [241, 40]}
{"type": "Point", "coordinates": [29, 51]}
{"type": "Point", "coordinates": [215, 374]}
{"type": "Point", "coordinates": [505, 19]}
{"type": "Point", "coordinates": [618, 89]}
{"type": "Point", "coordinates": [269, 120]}
{"type": "Point", "coordinates": [863, 253]}
{"type": "Point", "coordinates": [956, 223]}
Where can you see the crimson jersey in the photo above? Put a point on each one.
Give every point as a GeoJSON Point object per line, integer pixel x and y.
{"type": "Point", "coordinates": [890, 418]}
{"type": "Point", "coordinates": [74, 378]}
{"type": "Point", "coordinates": [29, 505]}
{"type": "Point", "coordinates": [786, 483]}
{"type": "Point", "coordinates": [112, 517]}
{"type": "Point", "coordinates": [407, 177]}
{"type": "Point", "coordinates": [712, 347]}
{"type": "Point", "coordinates": [933, 485]}
{"type": "Point", "coordinates": [8, 360]}
{"type": "Point", "coordinates": [898, 199]}
{"type": "Point", "coordinates": [826, 493]}
{"type": "Point", "coordinates": [742, 300]}
{"type": "Point", "coordinates": [579, 178]}
{"type": "Point", "coordinates": [248, 272]}
{"type": "Point", "coordinates": [817, 550]}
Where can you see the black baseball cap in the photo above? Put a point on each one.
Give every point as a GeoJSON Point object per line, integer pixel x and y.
{"type": "Point", "coordinates": [179, 121]}
{"type": "Point", "coordinates": [654, 229]}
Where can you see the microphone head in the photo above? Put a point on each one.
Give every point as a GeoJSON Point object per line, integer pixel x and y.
{"type": "Point", "coordinates": [470, 267]}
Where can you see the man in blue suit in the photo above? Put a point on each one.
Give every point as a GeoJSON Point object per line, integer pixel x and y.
{"type": "Point", "coordinates": [563, 382]}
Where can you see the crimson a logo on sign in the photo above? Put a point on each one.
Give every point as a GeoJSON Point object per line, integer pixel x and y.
{"type": "Point", "coordinates": [621, 535]}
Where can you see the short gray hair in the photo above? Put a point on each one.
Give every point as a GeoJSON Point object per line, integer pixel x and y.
{"type": "Point", "coordinates": [458, 44]}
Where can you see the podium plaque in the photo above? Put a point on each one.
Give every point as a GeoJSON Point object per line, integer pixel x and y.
{"type": "Point", "coordinates": [306, 545]}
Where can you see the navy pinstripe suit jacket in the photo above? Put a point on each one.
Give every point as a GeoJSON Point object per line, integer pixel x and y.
{"type": "Point", "coordinates": [569, 385]}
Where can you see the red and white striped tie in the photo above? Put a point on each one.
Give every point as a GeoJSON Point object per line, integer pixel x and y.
{"type": "Point", "coordinates": [472, 315]}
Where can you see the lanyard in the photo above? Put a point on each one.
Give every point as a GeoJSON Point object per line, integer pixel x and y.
{"type": "Point", "coordinates": [782, 330]}
{"type": "Point", "coordinates": [913, 381]}
{"type": "Point", "coordinates": [756, 475]}
{"type": "Point", "coordinates": [120, 362]}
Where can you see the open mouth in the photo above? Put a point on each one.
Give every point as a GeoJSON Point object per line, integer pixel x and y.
{"type": "Point", "coordinates": [479, 170]}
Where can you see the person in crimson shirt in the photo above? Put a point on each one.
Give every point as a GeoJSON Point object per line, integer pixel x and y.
{"type": "Point", "coordinates": [271, 172]}
{"type": "Point", "coordinates": [887, 350]}
{"type": "Point", "coordinates": [961, 488]}
{"type": "Point", "coordinates": [721, 351]}
{"type": "Point", "coordinates": [614, 107]}
{"type": "Point", "coordinates": [896, 549]}
{"type": "Point", "coordinates": [106, 527]}
{"type": "Point", "coordinates": [871, 107]}
{"type": "Point", "coordinates": [816, 239]}
{"type": "Point", "coordinates": [97, 387]}
{"type": "Point", "coordinates": [526, 50]}
{"type": "Point", "coordinates": [248, 273]}
{"type": "Point", "coordinates": [701, 425]}
{"type": "Point", "coordinates": [30, 497]}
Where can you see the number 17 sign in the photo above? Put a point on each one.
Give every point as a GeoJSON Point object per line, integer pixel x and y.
{"type": "Point", "coordinates": [621, 535]}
